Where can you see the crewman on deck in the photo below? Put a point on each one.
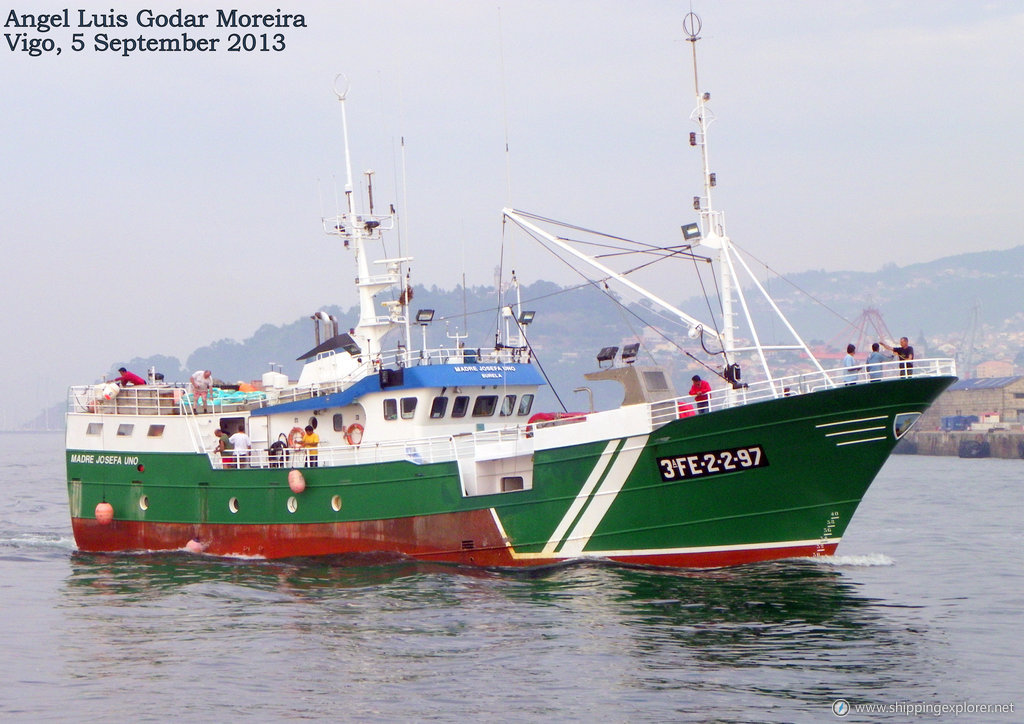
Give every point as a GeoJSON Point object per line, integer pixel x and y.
{"type": "Point", "coordinates": [700, 389]}
{"type": "Point", "coordinates": [128, 378]}
{"type": "Point", "coordinates": [310, 443]}
{"type": "Point", "coordinates": [201, 383]}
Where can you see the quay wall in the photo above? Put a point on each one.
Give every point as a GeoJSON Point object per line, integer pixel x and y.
{"type": "Point", "coordinates": [1001, 443]}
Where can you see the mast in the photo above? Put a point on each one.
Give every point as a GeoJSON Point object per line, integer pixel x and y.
{"type": "Point", "coordinates": [712, 222]}
{"type": "Point", "coordinates": [356, 229]}
{"type": "Point", "coordinates": [714, 237]}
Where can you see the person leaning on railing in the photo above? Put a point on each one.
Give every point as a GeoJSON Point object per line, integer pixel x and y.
{"type": "Point", "coordinates": [905, 354]}
{"type": "Point", "coordinates": [874, 363]}
{"type": "Point", "coordinates": [226, 448]}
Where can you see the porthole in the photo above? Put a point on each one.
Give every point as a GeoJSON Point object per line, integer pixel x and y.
{"type": "Point", "coordinates": [233, 505]}
{"type": "Point", "coordinates": [144, 502]}
{"type": "Point", "coordinates": [902, 423]}
{"type": "Point", "coordinates": [293, 504]}
{"type": "Point", "coordinates": [336, 503]}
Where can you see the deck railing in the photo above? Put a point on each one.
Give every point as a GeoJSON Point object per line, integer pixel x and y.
{"type": "Point", "coordinates": [155, 400]}
{"type": "Point", "coordinates": [422, 451]}
{"type": "Point", "coordinates": [518, 439]}
{"type": "Point", "coordinates": [720, 399]}
{"type": "Point", "coordinates": [171, 399]}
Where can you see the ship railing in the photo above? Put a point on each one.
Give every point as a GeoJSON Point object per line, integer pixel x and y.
{"type": "Point", "coordinates": [486, 444]}
{"type": "Point", "coordinates": [154, 400]}
{"type": "Point", "coordinates": [665, 411]}
{"type": "Point", "coordinates": [458, 355]}
{"type": "Point", "coordinates": [108, 399]}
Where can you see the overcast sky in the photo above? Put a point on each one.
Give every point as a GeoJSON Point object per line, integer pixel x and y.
{"type": "Point", "coordinates": [155, 203]}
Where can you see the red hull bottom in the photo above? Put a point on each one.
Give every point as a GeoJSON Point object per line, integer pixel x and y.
{"type": "Point", "coordinates": [464, 538]}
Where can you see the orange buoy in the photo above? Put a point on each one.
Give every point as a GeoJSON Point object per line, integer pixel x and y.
{"type": "Point", "coordinates": [194, 546]}
{"type": "Point", "coordinates": [104, 513]}
{"type": "Point", "coordinates": [296, 481]}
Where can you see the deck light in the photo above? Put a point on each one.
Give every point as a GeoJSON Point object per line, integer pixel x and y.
{"type": "Point", "coordinates": [690, 231]}
{"type": "Point", "coordinates": [526, 317]}
{"type": "Point", "coordinates": [606, 354]}
{"type": "Point", "coordinates": [424, 317]}
{"type": "Point", "coordinates": [629, 353]}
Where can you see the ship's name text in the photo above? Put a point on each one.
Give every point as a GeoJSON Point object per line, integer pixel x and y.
{"type": "Point", "coordinates": [487, 370]}
{"type": "Point", "coordinates": [104, 459]}
{"type": "Point", "coordinates": [712, 462]}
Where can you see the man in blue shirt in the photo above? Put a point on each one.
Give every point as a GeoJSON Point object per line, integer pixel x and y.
{"type": "Point", "coordinates": [874, 363]}
{"type": "Point", "coordinates": [850, 368]}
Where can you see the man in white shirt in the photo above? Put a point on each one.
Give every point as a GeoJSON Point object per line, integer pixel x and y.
{"type": "Point", "coordinates": [241, 445]}
{"type": "Point", "coordinates": [201, 383]}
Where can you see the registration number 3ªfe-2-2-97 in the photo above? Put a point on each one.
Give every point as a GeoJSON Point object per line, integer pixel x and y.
{"type": "Point", "coordinates": [712, 462]}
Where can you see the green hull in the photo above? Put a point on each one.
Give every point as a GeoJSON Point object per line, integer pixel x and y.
{"type": "Point", "coordinates": [766, 480]}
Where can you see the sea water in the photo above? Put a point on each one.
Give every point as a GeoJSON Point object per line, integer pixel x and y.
{"type": "Point", "coordinates": [918, 616]}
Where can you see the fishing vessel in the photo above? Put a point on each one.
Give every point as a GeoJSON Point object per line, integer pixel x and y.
{"type": "Point", "coordinates": [442, 454]}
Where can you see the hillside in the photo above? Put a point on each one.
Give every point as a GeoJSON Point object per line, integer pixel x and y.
{"type": "Point", "coordinates": [940, 305]}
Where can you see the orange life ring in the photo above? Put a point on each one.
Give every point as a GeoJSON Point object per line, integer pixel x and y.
{"type": "Point", "coordinates": [295, 437]}
{"type": "Point", "coordinates": [354, 434]}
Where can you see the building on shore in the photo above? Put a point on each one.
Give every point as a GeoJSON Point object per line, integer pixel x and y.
{"type": "Point", "coordinates": [994, 401]}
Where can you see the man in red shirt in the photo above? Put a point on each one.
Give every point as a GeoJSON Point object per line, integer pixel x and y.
{"type": "Point", "coordinates": [128, 378]}
{"type": "Point", "coordinates": [700, 390]}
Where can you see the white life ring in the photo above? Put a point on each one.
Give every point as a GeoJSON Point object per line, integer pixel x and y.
{"type": "Point", "coordinates": [354, 434]}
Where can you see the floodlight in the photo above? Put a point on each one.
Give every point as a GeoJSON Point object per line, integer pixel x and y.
{"type": "Point", "coordinates": [690, 231]}
{"type": "Point", "coordinates": [629, 352]}
{"type": "Point", "coordinates": [606, 354]}
{"type": "Point", "coordinates": [526, 317]}
{"type": "Point", "coordinates": [424, 316]}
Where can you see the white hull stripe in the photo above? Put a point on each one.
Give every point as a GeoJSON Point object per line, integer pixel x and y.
{"type": "Point", "coordinates": [581, 498]}
{"type": "Point", "coordinates": [600, 502]}
{"type": "Point", "coordinates": [851, 422]}
{"type": "Point", "coordinates": [857, 442]}
{"type": "Point", "coordinates": [855, 431]}
{"type": "Point", "coordinates": [697, 550]}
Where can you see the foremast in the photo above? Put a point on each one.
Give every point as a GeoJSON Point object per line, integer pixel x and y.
{"type": "Point", "coordinates": [715, 238]}
{"type": "Point", "coordinates": [357, 229]}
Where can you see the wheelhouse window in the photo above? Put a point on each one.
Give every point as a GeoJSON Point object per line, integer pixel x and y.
{"type": "Point", "coordinates": [525, 404]}
{"type": "Point", "coordinates": [125, 430]}
{"type": "Point", "coordinates": [438, 407]}
{"type": "Point", "coordinates": [485, 405]}
{"type": "Point", "coordinates": [155, 431]}
{"type": "Point", "coordinates": [95, 428]}
{"type": "Point", "coordinates": [391, 409]}
{"type": "Point", "coordinates": [408, 408]}
{"type": "Point", "coordinates": [508, 405]}
{"type": "Point", "coordinates": [461, 406]}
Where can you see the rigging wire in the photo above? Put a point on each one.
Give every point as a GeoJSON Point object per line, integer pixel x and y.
{"type": "Point", "coordinates": [794, 285]}
{"type": "Point", "coordinates": [602, 286]}
{"type": "Point", "coordinates": [543, 373]}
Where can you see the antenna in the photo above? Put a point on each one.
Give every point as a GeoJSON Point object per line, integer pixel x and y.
{"type": "Point", "coordinates": [341, 88]}
{"type": "Point", "coordinates": [692, 26]}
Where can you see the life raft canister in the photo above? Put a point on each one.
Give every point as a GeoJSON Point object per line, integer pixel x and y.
{"type": "Point", "coordinates": [354, 434]}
